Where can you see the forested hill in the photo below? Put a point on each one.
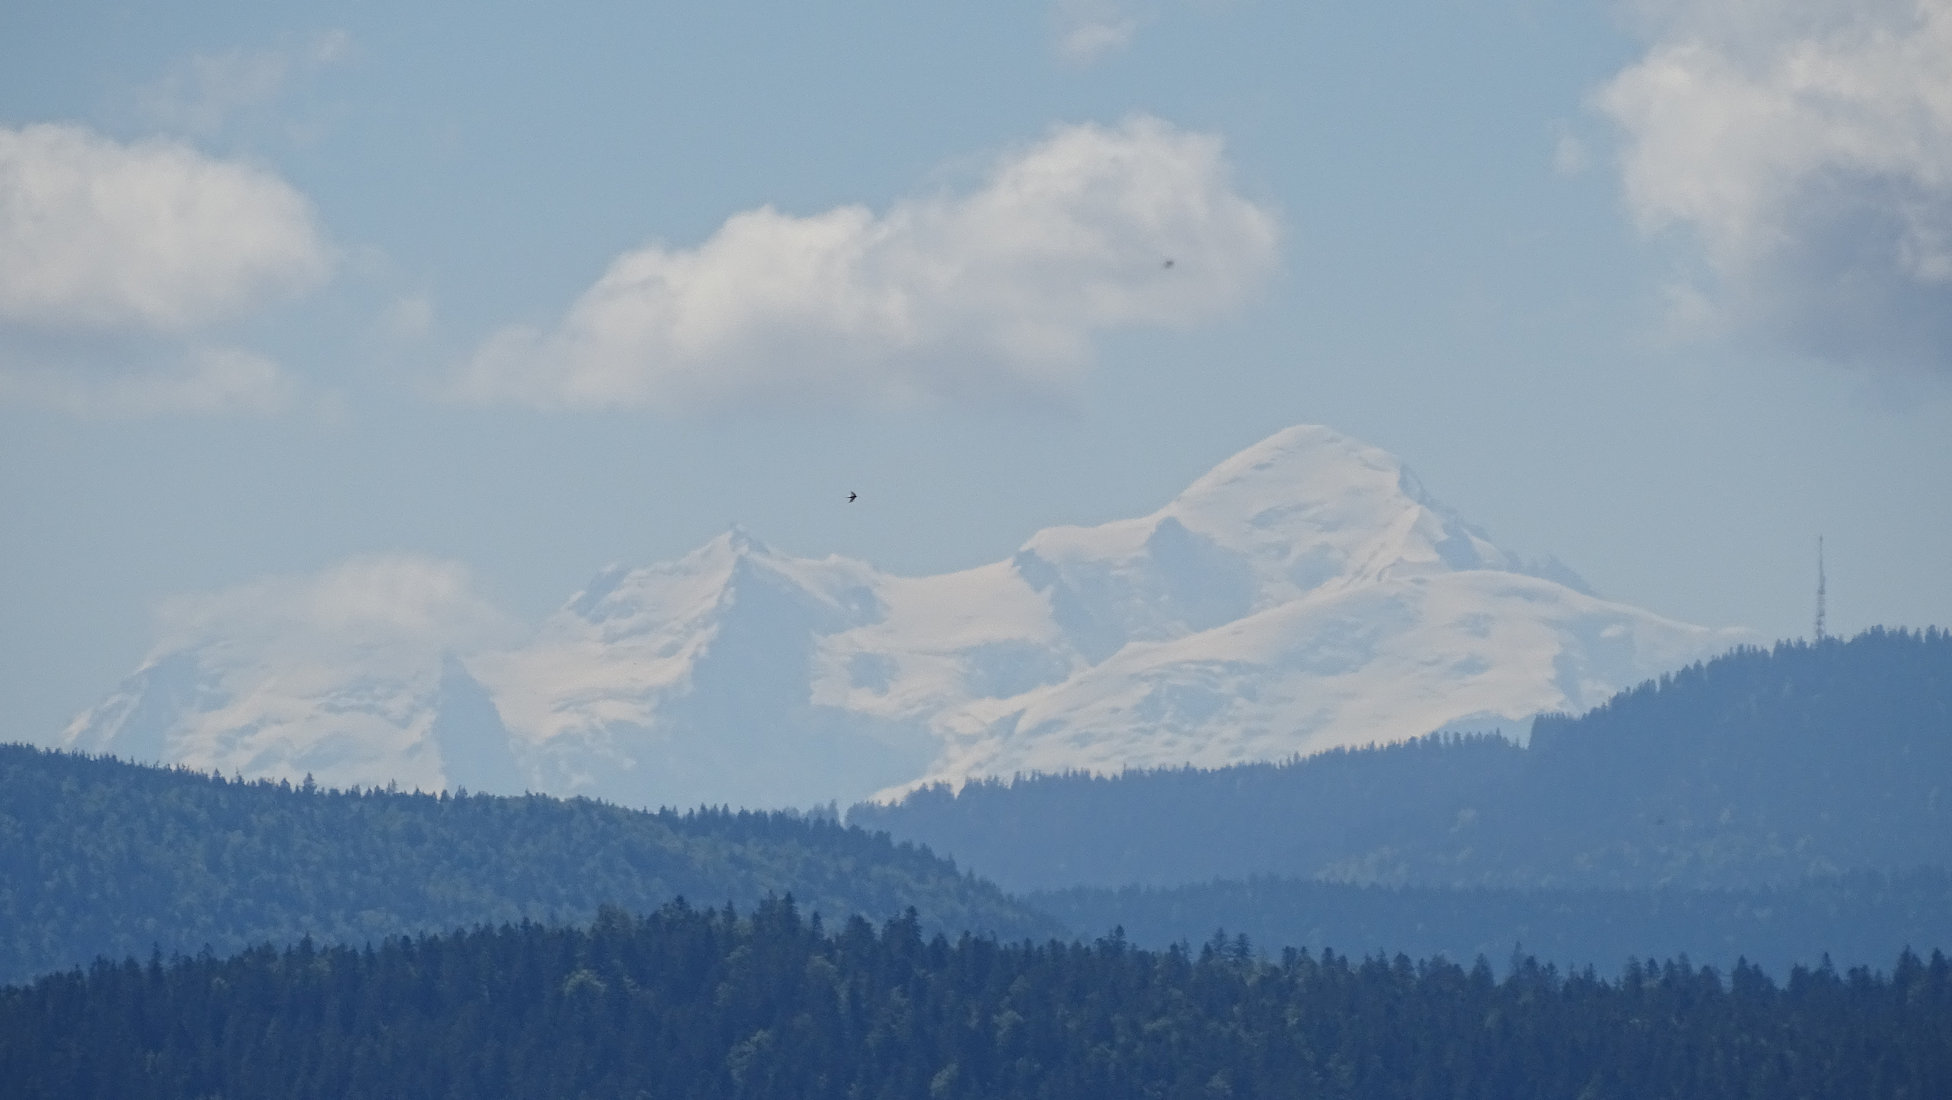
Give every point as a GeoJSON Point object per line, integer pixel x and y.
{"type": "Point", "coordinates": [101, 857]}
{"type": "Point", "coordinates": [1759, 768]}
{"type": "Point", "coordinates": [696, 1004]}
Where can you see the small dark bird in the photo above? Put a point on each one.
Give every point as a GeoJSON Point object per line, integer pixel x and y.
{"type": "Point", "coordinates": [851, 496]}
{"type": "Point", "coordinates": [1168, 263]}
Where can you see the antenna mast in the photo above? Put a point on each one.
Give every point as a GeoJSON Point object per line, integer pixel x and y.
{"type": "Point", "coordinates": [1819, 588]}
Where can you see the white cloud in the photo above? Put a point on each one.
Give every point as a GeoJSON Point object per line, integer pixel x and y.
{"type": "Point", "coordinates": [1087, 31]}
{"type": "Point", "coordinates": [994, 292]}
{"type": "Point", "coordinates": [1806, 150]}
{"type": "Point", "coordinates": [204, 93]}
{"type": "Point", "coordinates": [209, 381]}
{"type": "Point", "coordinates": [139, 248]}
{"type": "Point", "coordinates": [373, 610]}
{"type": "Point", "coordinates": [1091, 29]}
{"type": "Point", "coordinates": [153, 235]}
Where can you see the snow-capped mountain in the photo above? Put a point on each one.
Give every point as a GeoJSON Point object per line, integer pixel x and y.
{"type": "Point", "coordinates": [349, 675]}
{"type": "Point", "coordinates": [687, 682]}
{"type": "Point", "coordinates": [1304, 594]}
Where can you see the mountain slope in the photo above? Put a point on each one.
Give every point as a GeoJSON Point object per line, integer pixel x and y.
{"type": "Point", "coordinates": [1305, 594]}
{"type": "Point", "coordinates": [687, 681]}
{"type": "Point", "coordinates": [1759, 768]}
{"type": "Point", "coordinates": [106, 858]}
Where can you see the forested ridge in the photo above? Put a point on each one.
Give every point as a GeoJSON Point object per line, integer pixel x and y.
{"type": "Point", "coordinates": [101, 857]}
{"type": "Point", "coordinates": [1170, 826]}
{"type": "Point", "coordinates": [1758, 769]}
{"type": "Point", "coordinates": [701, 1003]}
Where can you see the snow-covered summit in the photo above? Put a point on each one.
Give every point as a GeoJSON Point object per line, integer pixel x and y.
{"type": "Point", "coordinates": [1327, 508]}
{"type": "Point", "coordinates": [1303, 594]}
{"type": "Point", "coordinates": [1305, 511]}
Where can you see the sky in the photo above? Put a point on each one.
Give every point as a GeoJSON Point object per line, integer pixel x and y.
{"type": "Point", "coordinates": [509, 293]}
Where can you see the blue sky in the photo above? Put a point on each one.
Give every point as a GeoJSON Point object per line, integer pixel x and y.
{"type": "Point", "coordinates": [1663, 290]}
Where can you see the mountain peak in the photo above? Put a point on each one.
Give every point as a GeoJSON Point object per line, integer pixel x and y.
{"type": "Point", "coordinates": [1329, 507]}
{"type": "Point", "coordinates": [738, 540]}
{"type": "Point", "coordinates": [1309, 451]}
{"type": "Point", "coordinates": [1305, 593]}
{"type": "Point", "coordinates": [1304, 469]}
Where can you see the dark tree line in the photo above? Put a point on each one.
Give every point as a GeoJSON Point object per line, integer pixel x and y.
{"type": "Point", "coordinates": [100, 857]}
{"type": "Point", "coordinates": [691, 1003]}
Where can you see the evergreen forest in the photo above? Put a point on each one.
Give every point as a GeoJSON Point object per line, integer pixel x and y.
{"type": "Point", "coordinates": [703, 1003]}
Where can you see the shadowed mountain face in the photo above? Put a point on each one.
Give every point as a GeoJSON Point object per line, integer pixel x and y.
{"type": "Point", "coordinates": [1305, 594]}
{"type": "Point", "coordinates": [470, 736]}
{"type": "Point", "coordinates": [737, 724]}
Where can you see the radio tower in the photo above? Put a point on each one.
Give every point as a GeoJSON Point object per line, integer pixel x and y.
{"type": "Point", "coordinates": [1819, 588]}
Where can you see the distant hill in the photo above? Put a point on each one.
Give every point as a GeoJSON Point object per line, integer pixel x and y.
{"type": "Point", "coordinates": [1759, 768]}
{"type": "Point", "coordinates": [101, 857]}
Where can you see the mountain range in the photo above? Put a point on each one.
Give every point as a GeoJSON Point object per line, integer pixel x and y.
{"type": "Point", "coordinates": [1305, 594]}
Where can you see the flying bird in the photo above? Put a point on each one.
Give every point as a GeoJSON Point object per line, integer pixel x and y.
{"type": "Point", "coordinates": [1168, 262]}
{"type": "Point", "coordinates": [851, 496]}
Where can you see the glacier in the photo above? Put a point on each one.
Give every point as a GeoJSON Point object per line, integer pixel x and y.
{"type": "Point", "coordinates": [1305, 594]}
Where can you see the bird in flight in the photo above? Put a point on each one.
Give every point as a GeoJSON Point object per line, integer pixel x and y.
{"type": "Point", "coordinates": [1168, 262]}
{"type": "Point", "coordinates": [851, 496]}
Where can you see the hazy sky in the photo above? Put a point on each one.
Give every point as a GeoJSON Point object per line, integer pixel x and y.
{"type": "Point", "coordinates": [1662, 289]}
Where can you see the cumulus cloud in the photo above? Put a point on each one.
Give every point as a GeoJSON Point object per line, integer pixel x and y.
{"type": "Point", "coordinates": [115, 260]}
{"type": "Point", "coordinates": [153, 235]}
{"type": "Point", "coordinates": [992, 292]}
{"type": "Point", "coordinates": [208, 381]}
{"type": "Point", "coordinates": [1805, 150]}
